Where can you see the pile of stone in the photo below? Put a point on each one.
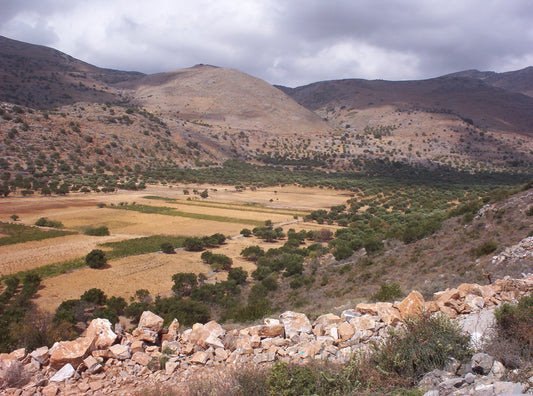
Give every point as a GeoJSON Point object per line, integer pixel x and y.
{"type": "Point", "coordinates": [112, 361]}
{"type": "Point", "coordinates": [521, 251]}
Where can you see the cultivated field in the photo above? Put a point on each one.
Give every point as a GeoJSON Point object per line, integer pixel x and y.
{"type": "Point", "coordinates": [225, 211]}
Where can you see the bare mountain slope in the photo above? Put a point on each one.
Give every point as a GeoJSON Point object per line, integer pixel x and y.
{"type": "Point", "coordinates": [517, 81]}
{"type": "Point", "coordinates": [42, 77]}
{"type": "Point", "coordinates": [487, 106]}
{"type": "Point", "coordinates": [223, 97]}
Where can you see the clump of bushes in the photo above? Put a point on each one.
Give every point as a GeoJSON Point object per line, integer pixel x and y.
{"type": "Point", "coordinates": [486, 247]}
{"type": "Point", "coordinates": [513, 343]}
{"type": "Point", "coordinates": [167, 248]}
{"type": "Point", "coordinates": [44, 222]}
{"type": "Point", "coordinates": [97, 231]}
{"type": "Point", "coordinates": [423, 344]}
{"type": "Point", "coordinates": [387, 292]}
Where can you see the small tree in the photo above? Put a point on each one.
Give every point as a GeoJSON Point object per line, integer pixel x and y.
{"type": "Point", "coordinates": [94, 296]}
{"type": "Point", "coordinates": [238, 275]}
{"type": "Point", "coordinates": [14, 217]}
{"type": "Point", "coordinates": [245, 232]}
{"type": "Point", "coordinates": [96, 259]}
{"type": "Point", "coordinates": [193, 244]}
{"type": "Point", "coordinates": [204, 194]}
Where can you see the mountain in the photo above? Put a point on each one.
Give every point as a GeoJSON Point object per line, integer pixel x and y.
{"type": "Point", "coordinates": [520, 81]}
{"type": "Point", "coordinates": [470, 98]}
{"type": "Point", "coordinates": [223, 97]}
{"type": "Point", "coordinates": [42, 77]}
{"type": "Point", "coordinates": [205, 115]}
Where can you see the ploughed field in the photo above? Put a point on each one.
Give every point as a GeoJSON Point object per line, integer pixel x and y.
{"type": "Point", "coordinates": [157, 211]}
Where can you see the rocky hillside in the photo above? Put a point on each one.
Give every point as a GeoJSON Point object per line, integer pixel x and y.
{"type": "Point", "coordinates": [42, 77]}
{"type": "Point", "coordinates": [472, 121]}
{"type": "Point", "coordinates": [107, 361]}
{"type": "Point", "coordinates": [517, 81]}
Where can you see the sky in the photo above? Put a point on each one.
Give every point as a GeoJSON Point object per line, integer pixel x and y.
{"type": "Point", "coordinates": [286, 42]}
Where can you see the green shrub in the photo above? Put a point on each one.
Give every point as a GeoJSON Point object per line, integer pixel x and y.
{"type": "Point", "coordinates": [94, 296]}
{"type": "Point", "coordinates": [167, 247]}
{"type": "Point", "coordinates": [238, 275]}
{"type": "Point", "coordinates": [96, 259]}
{"type": "Point", "coordinates": [424, 343]}
{"type": "Point", "coordinates": [486, 248]}
{"type": "Point", "coordinates": [388, 292]}
{"type": "Point", "coordinates": [44, 222]}
{"type": "Point", "coordinates": [98, 231]}
{"type": "Point", "coordinates": [193, 244]}
{"type": "Point", "coordinates": [514, 325]}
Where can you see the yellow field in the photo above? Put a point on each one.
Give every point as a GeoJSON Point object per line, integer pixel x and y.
{"type": "Point", "coordinates": [150, 271]}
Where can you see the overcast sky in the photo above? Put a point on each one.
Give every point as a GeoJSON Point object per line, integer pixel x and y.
{"type": "Point", "coordinates": [288, 42]}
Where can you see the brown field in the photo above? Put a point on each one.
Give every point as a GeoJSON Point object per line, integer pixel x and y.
{"type": "Point", "coordinates": [151, 271]}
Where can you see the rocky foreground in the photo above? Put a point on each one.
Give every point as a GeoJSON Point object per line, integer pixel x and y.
{"type": "Point", "coordinates": [107, 361]}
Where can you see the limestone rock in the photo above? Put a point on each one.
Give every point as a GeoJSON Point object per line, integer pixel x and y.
{"type": "Point", "coordinates": [120, 352]}
{"type": "Point", "coordinates": [72, 352]}
{"type": "Point", "coordinates": [141, 358]}
{"type": "Point", "coordinates": [150, 325]}
{"type": "Point", "coordinates": [66, 372]}
{"type": "Point", "coordinates": [200, 357]}
{"type": "Point", "coordinates": [411, 305]}
{"type": "Point", "coordinates": [214, 329]}
{"type": "Point", "coordinates": [101, 330]}
{"type": "Point", "coordinates": [482, 363]}
{"type": "Point", "coordinates": [50, 390]}
{"type": "Point", "coordinates": [345, 331]}
{"type": "Point", "coordinates": [41, 355]}
{"type": "Point", "coordinates": [171, 366]}
{"type": "Point", "coordinates": [295, 323]}
{"type": "Point", "coordinates": [327, 320]}
{"type": "Point", "coordinates": [267, 331]}
{"type": "Point", "coordinates": [386, 311]}
{"type": "Point", "coordinates": [365, 322]}
{"type": "Point", "coordinates": [92, 365]}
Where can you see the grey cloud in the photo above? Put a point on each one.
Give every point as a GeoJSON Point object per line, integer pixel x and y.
{"type": "Point", "coordinates": [285, 42]}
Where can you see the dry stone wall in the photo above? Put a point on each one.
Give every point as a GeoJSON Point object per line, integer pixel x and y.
{"type": "Point", "coordinates": [112, 361]}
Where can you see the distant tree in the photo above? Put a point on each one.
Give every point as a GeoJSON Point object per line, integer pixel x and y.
{"type": "Point", "coordinates": [252, 252]}
{"type": "Point", "coordinates": [14, 217]}
{"type": "Point", "coordinates": [94, 296]}
{"type": "Point", "coordinates": [184, 283]}
{"type": "Point", "coordinates": [193, 244]}
{"type": "Point", "coordinates": [96, 259]}
{"type": "Point", "coordinates": [245, 232]}
{"type": "Point", "coordinates": [238, 275]}
{"type": "Point", "coordinates": [204, 194]}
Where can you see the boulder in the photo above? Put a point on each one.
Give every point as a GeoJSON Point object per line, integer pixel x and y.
{"type": "Point", "coordinates": [41, 355]}
{"type": "Point", "coordinates": [345, 331]}
{"type": "Point", "coordinates": [482, 363]}
{"type": "Point", "coordinates": [171, 366]}
{"type": "Point", "coordinates": [214, 329]}
{"type": "Point", "coordinates": [120, 352]}
{"type": "Point", "coordinates": [141, 358]}
{"type": "Point", "coordinates": [150, 325]}
{"type": "Point", "coordinates": [92, 365]}
{"type": "Point", "coordinates": [365, 322]}
{"type": "Point", "coordinates": [327, 320]}
{"type": "Point", "coordinates": [50, 390]}
{"type": "Point", "coordinates": [66, 372]}
{"type": "Point", "coordinates": [200, 357]}
{"type": "Point", "coordinates": [386, 311]}
{"type": "Point", "coordinates": [101, 331]}
{"type": "Point", "coordinates": [295, 323]}
{"type": "Point", "coordinates": [413, 304]}
{"type": "Point", "coordinates": [71, 352]}
{"type": "Point", "coordinates": [267, 331]}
